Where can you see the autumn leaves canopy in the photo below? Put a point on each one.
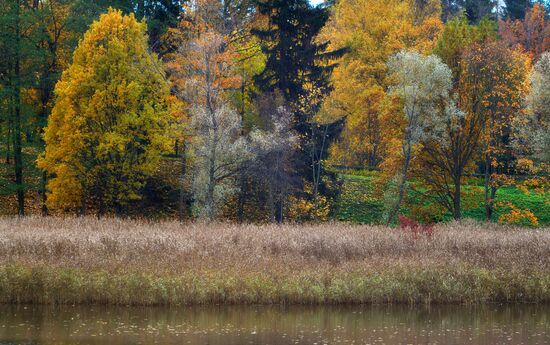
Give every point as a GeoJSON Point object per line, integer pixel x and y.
{"type": "Point", "coordinates": [261, 102]}
{"type": "Point", "coordinates": [108, 128]}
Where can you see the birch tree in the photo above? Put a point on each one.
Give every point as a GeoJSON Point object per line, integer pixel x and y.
{"type": "Point", "coordinates": [218, 146]}
{"type": "Point", "coordinates": [423, 84]}
{"type": "Point", "coordinates": [219, 154]}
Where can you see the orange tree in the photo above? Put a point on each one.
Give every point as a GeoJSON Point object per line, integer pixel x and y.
{"type": "Point", "coordinates": [493, 84]}
{"type": "Point", "coordinates": [532, 140]}
{"type": "Point", "coordinates": [532, 33]}
{"type": "Point", "coordinates": [443, 162]}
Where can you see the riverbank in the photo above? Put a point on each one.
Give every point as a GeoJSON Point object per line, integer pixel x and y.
{"type": "Point", "coordinates": [113, 261]}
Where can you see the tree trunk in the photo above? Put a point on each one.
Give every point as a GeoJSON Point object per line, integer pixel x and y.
{"type": "Point", "coordinates": [488, 201]}
{"type": "Point", "coordinates": [318, 165]}
{"type": "Point", "coordinates": [491, 208]}
{"type": "Point", "coordinates": [279, 211]}
{"type": "Point", "coordinates": [47, 91]}
{"type": "Point", "coordinates": [242, 178]}
{"type": "Point", "coordinates": [43, 185]}
{"type": "Point", "coordinates": [182, 180]}
{"type": "Point", "coordinates": [83, 208]}
{"type": "Point", "coordinates": [401, 193]}
{"type": "Point", "coordinates": [241, 199]}
{"type": "Point", "coordinates": [17, 150]}
{"type": "Point", "coordinates": [211, 181]}
{"type": "Point", "coordinates": [8, 141]}
{"type": "Point", "coordinates": [210, 189]}
{"type": "Point", "coordinates": [457, 212]}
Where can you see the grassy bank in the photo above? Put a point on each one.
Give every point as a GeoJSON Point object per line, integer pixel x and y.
{"type": "Point", "coordinates": [83, 260]}
{"type": "Point", "coordinates": [360, 202]}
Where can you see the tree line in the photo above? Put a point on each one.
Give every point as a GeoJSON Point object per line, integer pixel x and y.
{"type": "Point", "coordinates": [240, 109]}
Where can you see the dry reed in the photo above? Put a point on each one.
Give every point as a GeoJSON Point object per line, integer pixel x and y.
{"type": "Point", "coordinates": [140, 262]}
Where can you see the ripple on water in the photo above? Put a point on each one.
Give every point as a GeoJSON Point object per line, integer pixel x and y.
{"type": "Point", "coordinates": [276, 325]}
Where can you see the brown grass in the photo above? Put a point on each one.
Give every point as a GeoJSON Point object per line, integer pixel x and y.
{"type": "Point", "coordinates": [89, 242]}
{"type": "Point", "coordinates": [328, 254]}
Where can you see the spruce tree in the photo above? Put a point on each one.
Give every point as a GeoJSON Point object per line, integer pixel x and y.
{"type": "Point", "coordinates": [476, 10]}
{"type": "Point", "coordinates": [19, 31]}
{"type": "Point", "coordinates": [515, 9]}
{"type": "Point", "coordinates": [288, 43]}
{"type": "Point", "coordinates": [297, 65]}
{"type": "Point", "coordinates": [160, 15]}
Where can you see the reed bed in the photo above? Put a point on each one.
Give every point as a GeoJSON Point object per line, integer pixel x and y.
{"type": "Point", "coordinates": [116, 261]}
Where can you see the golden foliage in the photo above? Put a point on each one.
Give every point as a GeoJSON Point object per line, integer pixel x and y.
{"type": "Point", "coordinates": [107, 128]}
{"type": "Point", "coordinates": [302, 208]}
{"type": "Point", "coordinates": [518, 216]}
{"type": "Point", "coordinates": [359, 81]}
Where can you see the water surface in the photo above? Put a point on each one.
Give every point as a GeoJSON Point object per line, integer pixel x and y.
{"type": "Point", "coordinates": [277, 325]}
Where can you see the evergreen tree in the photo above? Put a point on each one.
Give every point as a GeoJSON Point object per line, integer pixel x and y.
{"type": "Point", "coordinates": [159, 15]}
{"type": "Point", "coordinates": [18, 28]}
{"type": "Point", "coordinates": [515, 9]}
{"type": "Point", "coordinates": [451, 8]}
{"type": "Point", "coordinates": [476, 10]}
{"type": "Point", "coordinates": [288, 45]}
{"type": "Point", "coordinates": [296, 66]}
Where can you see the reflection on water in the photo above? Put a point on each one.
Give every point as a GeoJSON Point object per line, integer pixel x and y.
{"type": "Point", "coordinates": [524, 324]}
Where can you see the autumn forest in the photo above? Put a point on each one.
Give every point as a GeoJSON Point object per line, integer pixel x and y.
{"type": "Point", "coordinates": [260, 111]}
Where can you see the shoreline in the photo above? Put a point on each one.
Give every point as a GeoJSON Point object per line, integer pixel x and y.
{"type": "Point", "coordinates": [47, 286]}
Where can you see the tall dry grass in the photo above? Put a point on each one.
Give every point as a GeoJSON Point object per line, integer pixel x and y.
{"type": "Point", "coordinates": [89, 242]}
{"type": "Point", "coordinates": [52, 260]}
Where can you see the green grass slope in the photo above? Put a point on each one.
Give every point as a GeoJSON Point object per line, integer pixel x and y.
{"type": "Point", "coordinates": [360, 202]}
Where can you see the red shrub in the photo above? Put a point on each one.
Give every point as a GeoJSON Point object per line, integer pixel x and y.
{"type": "Point", "coordinates": [415, 228]}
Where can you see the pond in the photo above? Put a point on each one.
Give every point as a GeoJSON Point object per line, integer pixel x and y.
{"type": "Point", "coordinates": [277, 325]}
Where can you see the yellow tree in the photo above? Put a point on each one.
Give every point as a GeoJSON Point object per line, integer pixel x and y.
{"type": "Point", "coordinates": [359, 82]}
{"type": "Point", "coordinates": [107, 128]}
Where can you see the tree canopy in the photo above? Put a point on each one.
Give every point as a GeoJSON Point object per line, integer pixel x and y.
{"type": "Point", "coordinates": [106, 130]}
{"type": "Point", "coordinates": [261, 110]}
